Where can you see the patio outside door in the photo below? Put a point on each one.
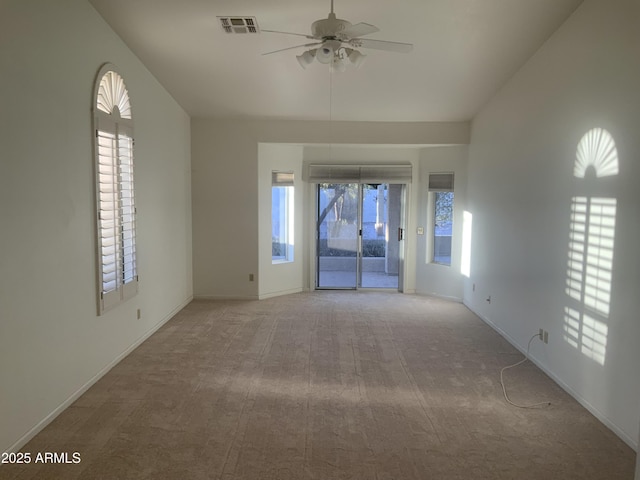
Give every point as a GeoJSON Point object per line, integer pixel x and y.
{"type": "Point", "coordinates": [359, 236]}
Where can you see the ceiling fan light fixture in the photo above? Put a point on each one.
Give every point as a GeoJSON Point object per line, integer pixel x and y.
{"type": "Point", "coordinates": [306, 58]}
{"type": "Point", "coordinates": [325, 53]}
{"type": "Point", "coordinates": [356, 58]}
{"type": "Point", "coordinates": [335, 42]}
{"type": "Point", "coordinates": [339, 64]}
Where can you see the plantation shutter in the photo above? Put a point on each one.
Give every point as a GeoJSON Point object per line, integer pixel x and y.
{"type": "Point", "coordinates": [127, 208]}
{"type": "Point", "coordinates": [116, 211]}
{"type": "Point", "coordinates": [108, 216]}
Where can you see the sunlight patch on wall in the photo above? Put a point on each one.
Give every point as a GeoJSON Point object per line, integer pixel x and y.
{"type": "Point", "coordinates": [577, 237]}
{"type": "Point", "coordinates": [585, 333]}
{"type": "Point", "coordinates": [465, 261]}
{"type": "Point", "coordinates": [591, 250]}
{"type": "Point", "coordinates": [598, 150]}
{"type": "Point", "coordinates": [590, 264]}
{"type": "Point", "coordinates": [600, 241]}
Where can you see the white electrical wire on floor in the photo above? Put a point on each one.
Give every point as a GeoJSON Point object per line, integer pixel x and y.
{"type": "Point", "coordinates": [504, 390]}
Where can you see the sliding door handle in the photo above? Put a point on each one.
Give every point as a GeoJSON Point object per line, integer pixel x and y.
{"type": "Point", "coordinates": [400, 233]}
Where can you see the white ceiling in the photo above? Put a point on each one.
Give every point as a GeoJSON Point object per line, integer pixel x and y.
{"type": "Point", "coordinates": [464, 51]}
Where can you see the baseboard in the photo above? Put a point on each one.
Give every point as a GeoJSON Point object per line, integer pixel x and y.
{"type": "Point", "coordinates": [444, 297]}
{"type": "Point", "coordinates": [263, 296]}
{"type": "Point", "coordinates": [248, 297]}
{"type": "Point", "coordinates": [582, 401]}
{"type": "Point", "coordinates": [64, 405]}
{"type": "Point", "coordinates": [226, 297]}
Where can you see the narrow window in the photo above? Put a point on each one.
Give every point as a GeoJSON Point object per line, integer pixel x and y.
{"type": "Point", "coordinates": [441, 189]}
{"type": "Point", "coordinates": [115, 201]}
{"type": "Point", "coordinates": [282, 217]}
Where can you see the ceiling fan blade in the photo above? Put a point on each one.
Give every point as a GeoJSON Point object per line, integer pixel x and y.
{"type": "Point", "coordinates": [397, 47]}
{"type": "Point", "coordinates": [358, 30]}
{"type": "Point", "coordinates": [289, 33]}
{"type": "Point", "coordinates": [292, 48]}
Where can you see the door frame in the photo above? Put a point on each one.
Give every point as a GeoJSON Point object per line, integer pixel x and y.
{"type": "Point", "coordinates": [314, 244]}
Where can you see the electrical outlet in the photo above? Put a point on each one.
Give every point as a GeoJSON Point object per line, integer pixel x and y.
{"type": "Point", "coordinates": [138, 314]}
{"type": "Point", "coordinates": [546, 337]}
{"type": "Point", "coordinates": [251, 277]}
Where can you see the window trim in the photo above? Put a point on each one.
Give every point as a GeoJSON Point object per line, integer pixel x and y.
{"type": "Point", "coordinates": [438, 182]}
{"type": "Point", "coordinates": [114, 128]}
{"type": "Point", "coordinates": [285, 180]}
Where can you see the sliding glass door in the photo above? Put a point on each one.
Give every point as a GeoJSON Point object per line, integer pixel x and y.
{"type": "Point", "coordinates": [381, 227]}
{"type": "Point", "coordinates": [359, 235]}
{"type": "Point", "coordinates": [337, 235]}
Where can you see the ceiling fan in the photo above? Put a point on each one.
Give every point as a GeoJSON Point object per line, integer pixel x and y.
{"type": "Point", "coordinates": [337, 41]}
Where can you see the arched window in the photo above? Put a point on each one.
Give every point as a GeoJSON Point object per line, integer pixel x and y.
{"type": "Point", "coordinates": [115, 201]}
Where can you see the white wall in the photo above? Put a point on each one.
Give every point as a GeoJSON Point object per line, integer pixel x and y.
{"type": "Point", "coordinates": [225, 209]}
{"type": "Point", "coordinates": [520, 187]}
{"type": "Point", "coordinates": [226, 204]}
{"type": "Point", "coordinates": [280, 278]}
{"type": "Point", "coordinates": [52, 343]}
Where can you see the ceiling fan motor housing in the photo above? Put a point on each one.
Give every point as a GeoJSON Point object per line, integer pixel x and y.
{"type": "Point", "coordinates": [330, 27]}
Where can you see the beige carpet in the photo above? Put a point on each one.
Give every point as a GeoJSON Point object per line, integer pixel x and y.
{"type": "Point", "coordinates": [326, 385]}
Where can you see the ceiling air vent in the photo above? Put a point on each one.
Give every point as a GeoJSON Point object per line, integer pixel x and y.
{"type": "Point", "coordinates": [239, 24]}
